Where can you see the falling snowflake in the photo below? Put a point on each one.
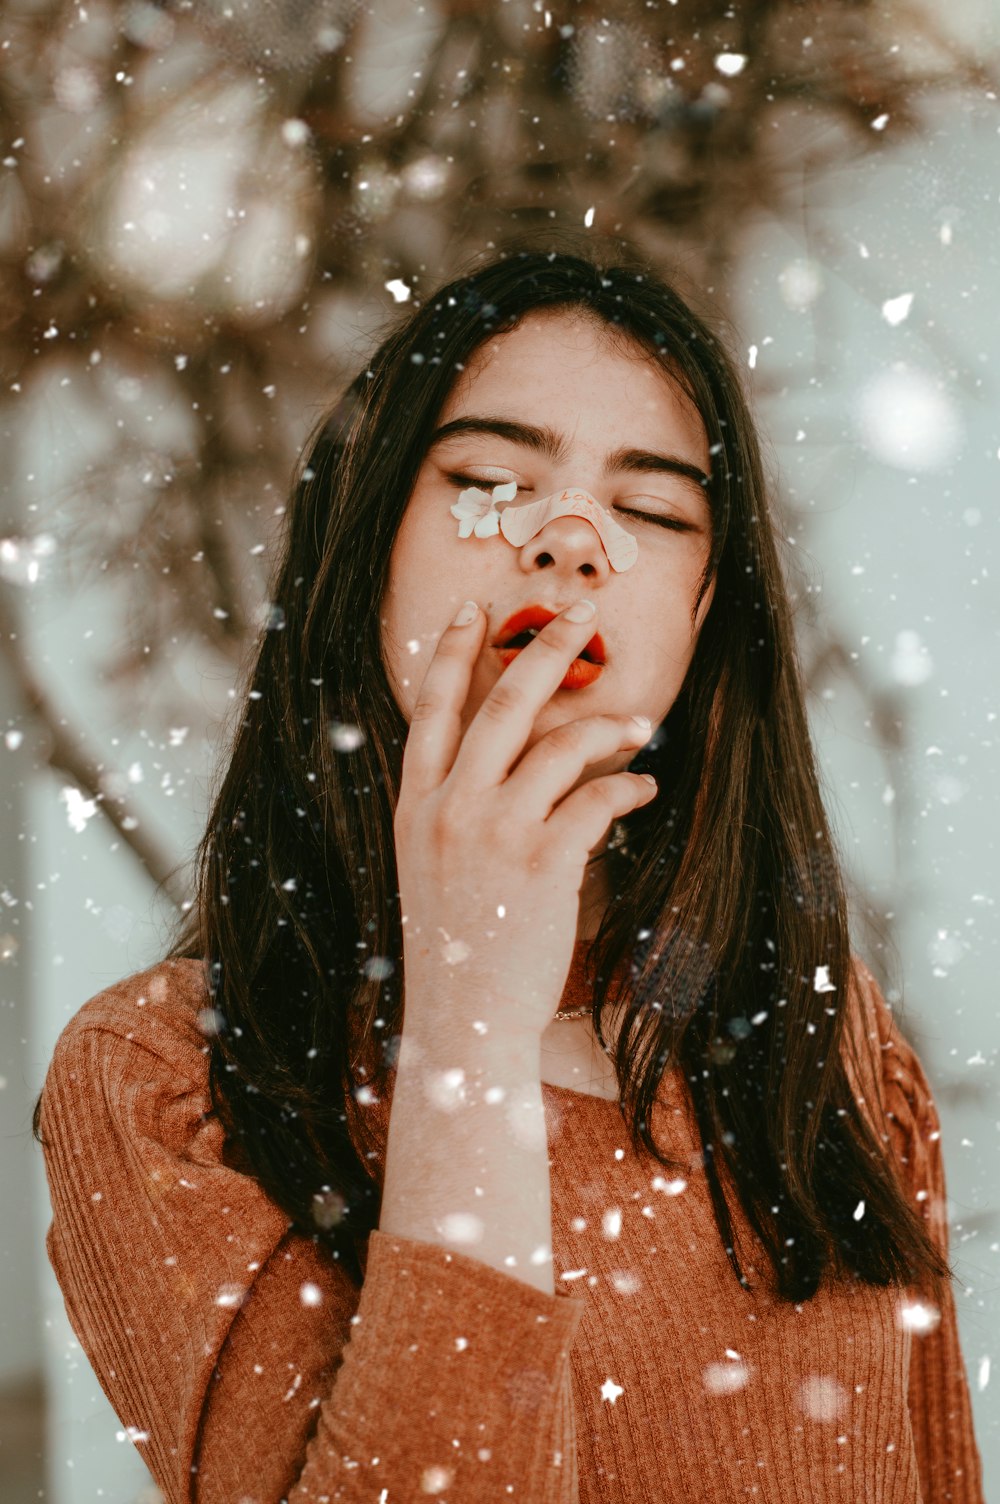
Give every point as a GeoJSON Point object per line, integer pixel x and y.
{"type": "Point", "coordinates": [345, 737]}
{"type": "Point", "coordinates": [525, 1120]}
{"type": "Point", "coordinates": [726, 1378]}
{"type": "Point", "coordinates": [453, 952]}
{"type": "Point", "coordinates": [327, 1209]}
{"type": "Point", "coordinates": [625, 1282]}
{"type": "Point", "coordinates": [78, 809]}
{"type": "Point", "coordinates": [822, 1398]}
{"type": "Point", "coordinates": [434, 1480]}
{"type": "Point", "coordinates": [446, 1089]}
{"type": "Point", "coordinates": [669, 1187]}
{"type": "Point", "coordinates": [426, 178]}
{"type": "Point", "coordinates": [895, 310]}
{"type": "Point", "coordinates": [800, 283]}
{"type": "Point", "coordinates": [295, 133]}
{"type": "Point", "coordinates": [461, 1227]}
{"type": "Point", "coordinates": [730, 63]}
{"type": "Point", "coordinates": [230, 1297]}
{"type": "Point", "coordinates": [919, 1317]}
{"type": "Point", "coordinates": [908, 420]}
{"type": "Point", "coordinates": [611, 1222]}
{"type": "Point", "coordinates": [945, 951]}
{"type": "Point", "coordinates": [21, 559]}
{"type": "Point", "coordinates": [377, 968]}
{"type": "Point", "coordinates": [911, 663]}
{"type": "Point", "coordinates": [76, 89]}
{"type": "Point", "coordinates": [610, 1390]}
{"type": "Point", "coordinates": [270, 617]}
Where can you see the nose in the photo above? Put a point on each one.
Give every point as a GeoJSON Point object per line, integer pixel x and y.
{"type": "Point", "coordinates": [569, 545]}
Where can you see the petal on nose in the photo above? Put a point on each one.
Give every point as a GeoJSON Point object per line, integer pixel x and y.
{"type": "Point", "coordinates": [520, 524]}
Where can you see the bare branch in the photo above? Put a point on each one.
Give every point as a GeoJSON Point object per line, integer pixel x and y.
{"type": "Point", "coordinates": [64, 755]}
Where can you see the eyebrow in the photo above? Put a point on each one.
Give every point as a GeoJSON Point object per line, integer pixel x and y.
{"type": "Point", "coordinates": [546, 441]}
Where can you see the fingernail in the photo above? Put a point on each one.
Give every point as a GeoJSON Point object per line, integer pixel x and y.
{"type": "Point", "coordinates": [649, 778]}
{"type": "Point", "coordinates": [643, 722]}
{"type": "Point", "coordinates": [581, 611]}
{"type": "Point", "coordinates": [466, 613]}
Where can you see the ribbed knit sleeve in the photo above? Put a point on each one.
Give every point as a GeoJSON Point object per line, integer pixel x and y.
{"type": "Point", "coordinates": [240, 1357]}
{"type": "Point", "coordinates": [938, 1396]}
{"type": "Point", "coordinates": [455, 1380]}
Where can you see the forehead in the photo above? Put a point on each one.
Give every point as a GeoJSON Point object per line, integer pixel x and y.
{"type": "Point", "coordinates": [582, 376]}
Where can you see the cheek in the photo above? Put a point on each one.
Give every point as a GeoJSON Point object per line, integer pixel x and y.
{"type": "Point", "coordinates": [670, 588]}
{"type": "Point", "coordinates": [426, 585]}
{"type": "Point", "coordinates": [428, 554]}
{"type": "Point", "coordinates": [413, 561]}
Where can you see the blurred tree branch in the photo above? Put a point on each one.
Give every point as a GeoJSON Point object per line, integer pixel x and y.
{"type": "Point", "coordinates": [201, 204]}
{"type": "Point", "coordinates": [63, 753]}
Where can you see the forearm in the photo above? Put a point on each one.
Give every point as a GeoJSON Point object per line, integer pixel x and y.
{"type": "Point", "coordinates": [467, 1157]}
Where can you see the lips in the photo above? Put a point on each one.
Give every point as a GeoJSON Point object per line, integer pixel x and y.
{"type": "Point", "coordinates": [529, 621]}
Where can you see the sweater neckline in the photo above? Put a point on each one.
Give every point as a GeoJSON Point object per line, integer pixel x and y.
{"type": "Point", "coordinates": [577, 993]}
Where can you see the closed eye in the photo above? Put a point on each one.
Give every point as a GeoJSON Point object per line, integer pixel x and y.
{"type": "Point", "coordinates": [483, 482]}
{"type": "Point", "coordinates": [675, 524]}
{"type": "Point", "coordinates": [486, 483]}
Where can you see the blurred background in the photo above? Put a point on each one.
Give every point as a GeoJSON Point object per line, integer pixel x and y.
{"type": "Point", "coordinates": [208, 213]}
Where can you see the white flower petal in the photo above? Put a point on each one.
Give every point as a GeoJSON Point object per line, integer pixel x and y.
{"type": "Point", "coordinates": [466, 508]}
{"type": "Point", "coordinates": [475, 496]}
{"type": "Point", "coordinates": [488, 526]}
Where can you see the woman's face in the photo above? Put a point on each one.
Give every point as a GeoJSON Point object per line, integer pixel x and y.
{"type": "Point", "coordinates": [581, 408]}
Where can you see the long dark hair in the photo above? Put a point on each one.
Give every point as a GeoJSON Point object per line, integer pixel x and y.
{"type": "Point", "coordinates": [727, 894]}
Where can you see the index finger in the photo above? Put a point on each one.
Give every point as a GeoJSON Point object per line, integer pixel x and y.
{"type": "Point", "coordinates": [436, 721]}
{"type": "Point", "coordinates": [498, 732]}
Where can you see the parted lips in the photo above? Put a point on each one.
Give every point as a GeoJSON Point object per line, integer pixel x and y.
{"type": "Point", "coordinates": [530, 620]}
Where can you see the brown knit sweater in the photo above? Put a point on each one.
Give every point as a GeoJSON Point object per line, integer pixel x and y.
{"type": "Point", "coordinates": [249, 1369]}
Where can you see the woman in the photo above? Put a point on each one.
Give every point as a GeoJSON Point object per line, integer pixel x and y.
{"type": "Point", "coordinates": [320, 1245]}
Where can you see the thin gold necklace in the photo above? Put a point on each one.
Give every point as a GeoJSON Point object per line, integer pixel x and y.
{"type": "Point", "coordinates": [617, 839]}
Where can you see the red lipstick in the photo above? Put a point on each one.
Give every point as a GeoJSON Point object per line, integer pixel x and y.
{"type": "Point", "coordinates": [527, 623]}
